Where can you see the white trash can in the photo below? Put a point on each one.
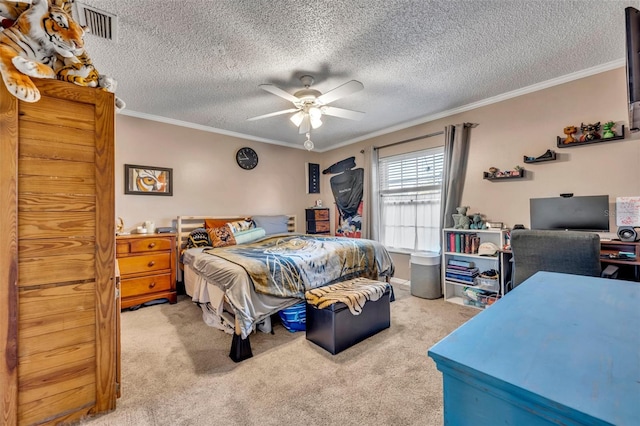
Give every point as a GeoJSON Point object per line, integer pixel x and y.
{"type": "Point", "coordinates": [425, 275]}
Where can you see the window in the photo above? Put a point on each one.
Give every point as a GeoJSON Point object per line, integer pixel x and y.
{"type": "Point", "coordinates": [409, 188]}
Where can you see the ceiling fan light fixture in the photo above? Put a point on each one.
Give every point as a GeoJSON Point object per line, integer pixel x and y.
{"type": "Point", "coordinates": [310, 104]}
{"type": "Point", "coordinates": [315, 122]}
{"type": "Point", "coordinates": [297, 118]}
{"type": "Point", "coordinates": [315, 112]}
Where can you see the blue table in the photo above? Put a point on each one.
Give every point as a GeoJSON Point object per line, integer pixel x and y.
{"type": "Point", "coordinates": [558, 349]}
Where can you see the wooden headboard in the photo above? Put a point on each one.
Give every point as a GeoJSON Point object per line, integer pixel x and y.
{"type": "Point", "coordinates": [186, 224]}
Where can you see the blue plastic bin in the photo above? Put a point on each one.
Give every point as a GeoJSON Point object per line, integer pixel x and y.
{"type": "Point", "coordinates": [294, 318]}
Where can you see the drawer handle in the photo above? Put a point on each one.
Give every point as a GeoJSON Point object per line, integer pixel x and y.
{"type": "Point", "coordinates": [152, 285]}
{"type": "Point", "coordinates": [152, 245]}
{"type": "Point", "coordinates": [153, 262]}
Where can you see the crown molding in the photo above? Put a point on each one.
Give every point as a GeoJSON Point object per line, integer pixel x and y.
{"type": "Point", "coordinates": [495, 99]}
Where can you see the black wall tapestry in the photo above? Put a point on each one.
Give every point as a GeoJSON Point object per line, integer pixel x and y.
{"type": "Point", "coordinates": [348, 189]}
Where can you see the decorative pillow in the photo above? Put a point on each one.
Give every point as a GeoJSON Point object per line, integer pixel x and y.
{"type": "Point", "coordinates": [249, 236]}
{"type": "Point", "coordinates": [198, 238]}
{"type": "Point", "coordinates": [272, 224]}
{"type": "Point", "coordinates": [221, 237]}
{"type": "Point", "coordinates": [240, 225]}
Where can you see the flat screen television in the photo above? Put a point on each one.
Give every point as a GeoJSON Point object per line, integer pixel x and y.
{"type": "Point", "coordinates": [632, 24]}
{"type": "Point", "coordinates": [586, 213]}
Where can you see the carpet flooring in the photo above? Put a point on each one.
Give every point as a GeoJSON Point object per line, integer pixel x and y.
{"type": "Point", "coordinates": [176, 371]}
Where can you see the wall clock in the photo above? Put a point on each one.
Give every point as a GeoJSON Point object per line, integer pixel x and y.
{"type": "Point", "coordinates": [247, 158]}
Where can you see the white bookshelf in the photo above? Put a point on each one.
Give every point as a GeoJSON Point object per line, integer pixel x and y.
{"type": "Point", "coordinates": [454, 291]}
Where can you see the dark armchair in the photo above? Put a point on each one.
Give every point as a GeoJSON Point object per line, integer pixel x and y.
{"type": "Point", "coordinates": [570, 252]}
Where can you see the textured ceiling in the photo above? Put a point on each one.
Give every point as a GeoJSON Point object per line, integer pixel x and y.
{"type": "Point", "coordinates": [201, 62]}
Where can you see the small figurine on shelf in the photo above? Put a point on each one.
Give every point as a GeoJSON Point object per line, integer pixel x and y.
{"type": "Point", "coordinates": [477, 222]}
{"type": "Point", "coordinates": [608, 130]}
{"type": "Point", "coordinates": [548, 154]}
{"type": "Point", "coordinates": [590, 132]}
{"type": "Point", "coordinates": [517, 170]}
{"type": "Point", "coordinates": [570, 131]}
{"type": "Point", "coordinates": [119, 226]}
{"type": "Point", "coordinates": [461, 220]}
{"type": "Point", "coordinates": [493, 171]}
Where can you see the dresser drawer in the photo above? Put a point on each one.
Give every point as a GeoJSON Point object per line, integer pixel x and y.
{"type": "Point", "coordinates": [318, 227]}
{"type": "Point", "coordinates": [143, 245]}
{"type": "Point", "coordinates": [317, 214]}
{"type": "Point", "coordinates": [150, 284]}
{"type": "Point", "coordinates": [147, 268]}
{"type": "Point", "coordinates": [144, 263]}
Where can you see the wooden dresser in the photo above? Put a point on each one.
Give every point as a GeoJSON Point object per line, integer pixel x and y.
{"type": "Point", "coordinates": [147, 268]}
{"type": "Point", "coordinates": [318, 221]}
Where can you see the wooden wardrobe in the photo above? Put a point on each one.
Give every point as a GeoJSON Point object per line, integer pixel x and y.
{"type": "Point", "coordinates": [58, 301]}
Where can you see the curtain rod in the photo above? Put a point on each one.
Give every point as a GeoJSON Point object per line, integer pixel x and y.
{"type": "Point", "coordinates": [410, 140]}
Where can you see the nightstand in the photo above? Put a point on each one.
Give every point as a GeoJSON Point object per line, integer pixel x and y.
{"type": "Point", "coordinates": [147, 268]}
{"type": "Point", "coordinates": [318, 221]}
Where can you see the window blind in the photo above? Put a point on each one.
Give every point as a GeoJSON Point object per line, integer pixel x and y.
{"type": "Point", "coordinates": [412, 172]}
{"type": "Point", "coordinates": [409, 187]}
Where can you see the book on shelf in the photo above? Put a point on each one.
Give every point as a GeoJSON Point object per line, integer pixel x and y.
{"type": "Point", "coordinates": [460, 281]}
{"type": "Point", "coordinates": [475, 243]}
{"type": "Point", "coordinates": [462, 242]}
{"type": "Point", "coordinates": [467, 243]}
{"type": "Point", "coordinates": [464, 263]}
{"type": "Point", "coordinates": [462, 268]}
{"type": "Point", "coordinates": [465, 278]}
{"type": "Point", "coordinates": [465, 271]}
{"type": "Point", "coordinates": [462, 276]}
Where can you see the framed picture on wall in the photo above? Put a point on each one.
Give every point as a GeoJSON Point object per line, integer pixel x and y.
{"type": "Point", "coordinates": [313, 178]}
{"type": "Point", "coordinates": [148, 180]}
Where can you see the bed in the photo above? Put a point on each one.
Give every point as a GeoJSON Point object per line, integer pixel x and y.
{"type": "Point", "coordinates": [240, 285]}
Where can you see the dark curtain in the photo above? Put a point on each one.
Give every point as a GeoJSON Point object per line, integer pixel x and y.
{"type": "Point", "coordinates": [456, 148]}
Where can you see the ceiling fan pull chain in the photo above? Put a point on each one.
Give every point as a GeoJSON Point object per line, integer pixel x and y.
{"type": "Point", "coordinates": [308, 144]}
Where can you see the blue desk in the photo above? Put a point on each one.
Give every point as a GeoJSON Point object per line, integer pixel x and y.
{"type": "Point", "coordinates": [558, 349]}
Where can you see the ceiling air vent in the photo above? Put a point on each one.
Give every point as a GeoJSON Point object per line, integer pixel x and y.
{"type": "Point", "coordinates": [101, 24]}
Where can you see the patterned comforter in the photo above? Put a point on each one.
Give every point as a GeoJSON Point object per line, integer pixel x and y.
{"type": "Point", "coordinates": [259, 279]}
{"type": "Point", "coordinates": [288, 265]}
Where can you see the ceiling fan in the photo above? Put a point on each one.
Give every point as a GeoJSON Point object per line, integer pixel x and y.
{"type": "Point", "coordinates": [311, 105]}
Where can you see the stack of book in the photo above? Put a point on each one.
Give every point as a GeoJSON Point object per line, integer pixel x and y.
{"type": "Point", "coordinates": [461, 271]}
{"type": "Point", "coordinates": [462, 242]}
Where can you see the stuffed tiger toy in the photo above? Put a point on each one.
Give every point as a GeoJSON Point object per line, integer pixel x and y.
{"type": "Point", "coordinates": [41, 44]}
{"type": "Point", "coordinates": [10, 10]}
{"type": "Point", "coordinates": [29, 48]}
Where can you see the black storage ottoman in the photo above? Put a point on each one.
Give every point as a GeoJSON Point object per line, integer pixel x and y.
{"type": "Point", "coordinates": [335, 328]}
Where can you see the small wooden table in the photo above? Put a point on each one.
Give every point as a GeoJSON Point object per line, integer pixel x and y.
{"type": "Point", "coordinates": [558, 349]}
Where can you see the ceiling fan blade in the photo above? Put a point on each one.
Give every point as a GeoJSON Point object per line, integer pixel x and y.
{"type": "Point", "coordinates": [342, 113]}
{"type": "Point", "coordinates": [279, 92]}
{"type": "Point", "coordinates": [273, 114]}
{"type": "Point", "coordinates": [305, 126]}
{"type": "Point", "coordinates": [346, 89]}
